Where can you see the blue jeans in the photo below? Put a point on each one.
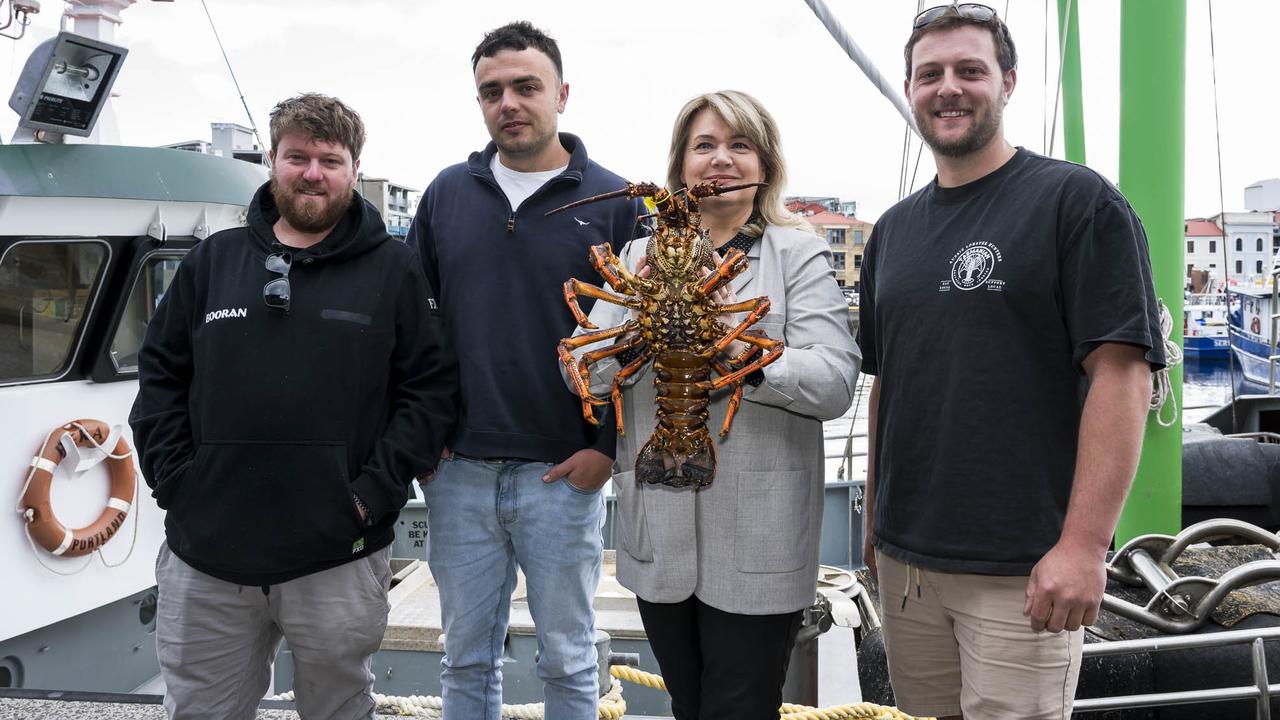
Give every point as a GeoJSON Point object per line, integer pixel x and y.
{"type": "Point", "coordinates": [485, 517]}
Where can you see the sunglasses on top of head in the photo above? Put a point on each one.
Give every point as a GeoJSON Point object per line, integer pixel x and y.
{"type": "Point", "coordinates": [971, 11]}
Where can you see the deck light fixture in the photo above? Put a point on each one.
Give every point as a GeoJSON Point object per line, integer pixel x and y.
{"type": "Point", "coordinates": [64, 86]}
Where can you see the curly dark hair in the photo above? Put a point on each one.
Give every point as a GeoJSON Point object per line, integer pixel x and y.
{"type": "Point", "coordinates": [519, 35]}
{"type": "Point", "coordinates": [319, 117]}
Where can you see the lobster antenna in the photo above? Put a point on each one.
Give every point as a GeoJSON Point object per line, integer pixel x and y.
{"type": "Point", "coordinates": [624, 192]}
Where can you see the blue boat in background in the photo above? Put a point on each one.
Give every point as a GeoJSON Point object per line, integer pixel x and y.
{"type": "Point", "coordinates": [1250, 331]}
{"type": "Point", "coordinates": [1204, 329]}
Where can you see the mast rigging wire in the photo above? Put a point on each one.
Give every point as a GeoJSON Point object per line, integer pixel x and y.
{"type": "Point", "coordinates": [252, 124]}
{"type": "Point", "coordinates": [855, 53]}
{"type": "Point", "coordinates": [1062, 60]}
{"type": "Point", "coordinates": [1222, 227]}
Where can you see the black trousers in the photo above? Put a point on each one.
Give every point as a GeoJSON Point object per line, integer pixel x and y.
{"type": "Point", "coordinates": [719, 665]}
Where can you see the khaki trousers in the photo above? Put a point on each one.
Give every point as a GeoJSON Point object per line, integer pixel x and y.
{"type": "Point", "coordinates": [959, 644]}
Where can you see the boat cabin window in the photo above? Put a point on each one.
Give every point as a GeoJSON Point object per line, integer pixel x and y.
{"type": "Point", "coordinates": [47, 289]}
{"type": "Point", "coordinates": [149, 287]}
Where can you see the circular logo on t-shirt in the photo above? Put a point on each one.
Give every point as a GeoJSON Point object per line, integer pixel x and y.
{"type": "Point", "coordinates": [972, 266]}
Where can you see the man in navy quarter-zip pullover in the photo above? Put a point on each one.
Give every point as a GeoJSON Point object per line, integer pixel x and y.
{"type": "Point", "coordinates": [520, 483]}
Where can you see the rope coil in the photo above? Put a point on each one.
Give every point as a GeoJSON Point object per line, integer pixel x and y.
{"type": "Point", "coordinates": [1162, 390]}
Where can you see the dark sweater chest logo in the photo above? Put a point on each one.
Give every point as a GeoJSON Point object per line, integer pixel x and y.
{"type": "Point", "coordinates": [225, 313]}
{"type": "Point", "coordinates": [972, 266]}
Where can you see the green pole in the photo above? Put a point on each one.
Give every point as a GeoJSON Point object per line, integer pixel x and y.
{"type": "Point", "coordinates": [1072, 98]}
{"type": "Point", "coordinates": [1152, 137]}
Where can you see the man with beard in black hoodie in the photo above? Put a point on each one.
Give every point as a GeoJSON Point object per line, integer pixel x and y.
{"type": "Point", "coordinates": [294, 380]}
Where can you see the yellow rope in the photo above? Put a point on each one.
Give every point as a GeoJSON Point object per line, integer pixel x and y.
{"type": "Point", "coordinates": [870, 711]}
{"type": "Point", "coordinates": [859, 711]}
{"type": "Point", "coordinates": [638, 677]}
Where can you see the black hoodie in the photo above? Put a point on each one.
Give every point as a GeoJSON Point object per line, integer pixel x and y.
{"type": "Point", "coordinates": [254, 427]}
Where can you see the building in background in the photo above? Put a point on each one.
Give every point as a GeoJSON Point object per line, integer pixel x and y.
{"type": "Point", "coordinates": [229, 140]}
{"type": "Point", "coordinates": [396, 202]}
{"type": "Point", "coordinates": [848, 208]}
{"type": "Point", "coordinates": [846, 234]}
{"type": "Point", "coordinates": [1204, 247]}
{"type": "Point", "coordinates": [1251, 245]}
{"type": "Point", "coordinates": [1263, 196]}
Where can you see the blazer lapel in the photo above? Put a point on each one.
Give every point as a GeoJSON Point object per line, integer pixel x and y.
{"type": "Point", "coordinates": [740, 284]}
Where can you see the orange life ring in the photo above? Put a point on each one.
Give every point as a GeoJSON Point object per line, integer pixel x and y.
{"type": "Point", "coordinates": [43, 525]}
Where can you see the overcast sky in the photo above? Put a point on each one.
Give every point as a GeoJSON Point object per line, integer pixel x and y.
{"type": "Point", "coordinates": [405, 66]}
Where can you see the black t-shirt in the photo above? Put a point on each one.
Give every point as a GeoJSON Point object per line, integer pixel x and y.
{"type": "Point", "coordinates": [979, 304]}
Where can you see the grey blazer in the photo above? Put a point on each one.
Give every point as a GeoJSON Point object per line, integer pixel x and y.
{"type": "Point", "coordinates": [748, 543]}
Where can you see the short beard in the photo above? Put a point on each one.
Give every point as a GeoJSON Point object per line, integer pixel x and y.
{"type": "Point", "coordinates": [306, 217]}
{"type": "Point", "coordinates": [978, 137]}
{"type": "Point", "coordinates": [532, 147]}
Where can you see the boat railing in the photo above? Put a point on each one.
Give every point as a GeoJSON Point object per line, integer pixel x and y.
{"type": "Point", "coordinates": [1266, 438]}
{"type": "Point", "coordinates": [1260, 691]}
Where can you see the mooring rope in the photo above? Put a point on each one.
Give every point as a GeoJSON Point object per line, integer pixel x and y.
{"type": "Point", "coordinates": [1162, 388]}
{"type": "Point", "coordinates": [613, 707]}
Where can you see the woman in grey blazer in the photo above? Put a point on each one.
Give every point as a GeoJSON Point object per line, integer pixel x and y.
{"type": "Point", "coordinates": [723, 573]}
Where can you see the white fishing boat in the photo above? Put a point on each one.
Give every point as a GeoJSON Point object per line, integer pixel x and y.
{"type": "Point", "coordinates": [1251, 332]}
{"type": "Point", "coordinates": [90, 236]}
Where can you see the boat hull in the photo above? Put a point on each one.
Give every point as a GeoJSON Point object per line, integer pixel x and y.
{"type": "Point", "coordinates": [1252, 352]}
{"type": "Point", "coordinates": [1205, 348]}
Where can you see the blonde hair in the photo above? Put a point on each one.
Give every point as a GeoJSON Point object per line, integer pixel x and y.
{"type": "Point", "coordinates": [747, 117]}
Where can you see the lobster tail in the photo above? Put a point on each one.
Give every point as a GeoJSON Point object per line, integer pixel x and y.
{"type": "Point", "coordinates": [659, 467]}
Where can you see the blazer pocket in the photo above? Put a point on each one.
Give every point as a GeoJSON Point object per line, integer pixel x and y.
{"type": "Point", "coordinates": [773, 522]}
{"type": "Point", "coordinates": [631, 520]}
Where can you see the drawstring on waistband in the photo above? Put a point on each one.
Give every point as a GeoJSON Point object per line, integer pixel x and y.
{"type": "Point", "coordinates": [906, 591]}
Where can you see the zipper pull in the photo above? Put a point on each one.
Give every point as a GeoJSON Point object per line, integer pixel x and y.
{"type": "Point", "coordinates": [511, 223]}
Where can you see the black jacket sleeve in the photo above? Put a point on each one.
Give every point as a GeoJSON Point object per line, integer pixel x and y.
{"type": "Point", "coordinates": [423, 402]}
{"type": "Point", "coordinates": [160, 420]}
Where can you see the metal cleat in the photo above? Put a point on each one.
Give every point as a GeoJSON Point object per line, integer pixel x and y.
{"type": "Point", "coordinates": [1183, 604]}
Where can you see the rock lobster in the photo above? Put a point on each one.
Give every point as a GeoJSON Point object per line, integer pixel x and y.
{"type": "Point", "coordinates": [676, 325]}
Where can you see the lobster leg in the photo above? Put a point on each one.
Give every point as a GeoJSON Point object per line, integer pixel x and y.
{"type": "Point", "coordinates": [580, 375]}
{"type": "Point", "coordinates": [759, 307]}
{"type": "Point", "coordinates": [612, 270]}
{"type": "Point", "coordinates": [734, 263]}
{"type": "Point", "coordinates": [594, 356]}
{"type": "Point", "coordinates": [623, 374]}
{"type": "Point", "coordinates": [734, 401]}
{"type": "Point", "coordinates": [604, 261]}
{"type": "Point", "coordinates": [773, 351]}
{"type": "Point", "coordinates": [574, 287]}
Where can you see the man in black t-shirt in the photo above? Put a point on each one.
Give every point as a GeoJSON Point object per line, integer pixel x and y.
{"type": "Point", "coordinates": [1009, 317]}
